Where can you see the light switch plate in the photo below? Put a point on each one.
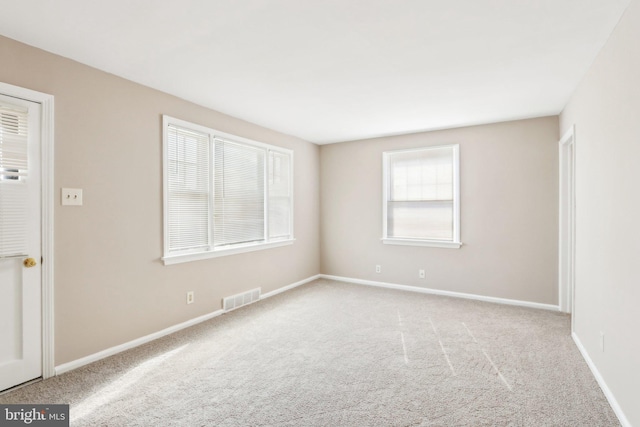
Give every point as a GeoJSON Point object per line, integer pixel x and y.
{"type": "Point", "coordinates": [72, 197]}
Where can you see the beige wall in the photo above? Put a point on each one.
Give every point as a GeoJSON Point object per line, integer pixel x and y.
{"type": "Point", "coordinates": [606, 112]}
{"type": "Point", "coordinates": [509, 213]}
{"type": "Point", "coordinates": [110, 285]}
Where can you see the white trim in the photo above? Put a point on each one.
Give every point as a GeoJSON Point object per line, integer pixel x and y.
{"type": "Point", "coordinates": [566, 221]}
{"type": "Point", "coordinates": [66, 367]}
{"type": "Point", "coordinates": [47, 200]}
{"type": "Point", "coordinates": [196, 256]}
{"type": "Point", "coordinates": [48, 197]}
{"type": "Point", "coordinates": [443, 293]}
{"type": "Point", "coordinates": [427, 243]}
{"type": "Point", "coordinates": [165, 187]}
{"type": "Point", "coordinates": [289, 287]}
{"type": "Point", "coordinates": [456, 193]}
{"type": "Point", "coordinates": [601, 382]}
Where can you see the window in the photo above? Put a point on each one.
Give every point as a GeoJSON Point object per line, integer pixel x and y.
{"type": "Point", "coordinates": [223, 194]}
{"type": "Point", "coordinates": [421, 197]}
{"type": "Point", "coordinates": [13, 178]}
{"type": "Point", "coordinates": [13, 143]}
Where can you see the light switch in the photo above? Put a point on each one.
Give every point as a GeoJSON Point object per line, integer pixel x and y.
{"type": "Point", "coordinates": [72, 196]}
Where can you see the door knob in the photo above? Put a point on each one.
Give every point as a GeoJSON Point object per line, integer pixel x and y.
{"type": "Point", "coordinates": [29, 262]}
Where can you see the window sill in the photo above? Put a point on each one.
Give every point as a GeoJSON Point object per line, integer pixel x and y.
{"type": "Point", "coordinates": [196, 256]}
{"type": "Point", "coordinates": [427, 243]}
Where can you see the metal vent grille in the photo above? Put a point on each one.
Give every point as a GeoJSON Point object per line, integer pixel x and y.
{"type": "Point", "coordinates": [235, 301]}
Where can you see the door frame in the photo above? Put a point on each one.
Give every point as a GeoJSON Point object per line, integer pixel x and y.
{"type": "Point", "coordinates": [567, 222]}
{"type": "Point", "coordinates": [47, 199]}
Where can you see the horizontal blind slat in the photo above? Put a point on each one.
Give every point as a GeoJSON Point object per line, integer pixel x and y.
{"type": "Point", "coordinates": [13, 142]}
{"type": "Point", "coordinates": [420, 197]}
{"type": "Point", "coordinates": [14, 164]}
{"type": "Point", "coordinates": [188, 189]}
{"type": "Point", "coordinates": [239, 193]}
{"type": "Point", "coordinates": [13, 219]}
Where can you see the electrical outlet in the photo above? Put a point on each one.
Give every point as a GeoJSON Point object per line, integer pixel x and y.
{"type": "Point", "coordinates": [378, 269]}
{"type": "Point", "coordinates": [190, 297]}
{"type": "Point", "coordinates": [71, 197]}
{"type": "Point", "coordinates": [421, 274]}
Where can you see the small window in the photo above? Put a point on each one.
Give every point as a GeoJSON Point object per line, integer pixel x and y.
{"type": "Point", "coordinates": [14, 174]}
{"type": "Point", "coordinates": [13, 144]}
{"type": "Point", "coordinates": [422, 197]}
{"type": "Point", "coordinates": [223, 194]}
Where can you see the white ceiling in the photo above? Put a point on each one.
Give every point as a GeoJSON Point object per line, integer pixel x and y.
{"type": "Point", "coordinates": [335, 70]}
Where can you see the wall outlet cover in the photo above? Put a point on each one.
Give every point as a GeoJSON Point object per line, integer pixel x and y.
{"type": "Point", "coordinates": [71, 197]}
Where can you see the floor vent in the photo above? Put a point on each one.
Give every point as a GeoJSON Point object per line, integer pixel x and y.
{"type": "Point", "coordinates": [238, 300]}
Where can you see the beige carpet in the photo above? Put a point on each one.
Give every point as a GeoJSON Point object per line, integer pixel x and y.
{"type": "Point", "coordinates": [335, 354]}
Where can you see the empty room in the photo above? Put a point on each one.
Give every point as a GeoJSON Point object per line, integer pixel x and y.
{"type": "Point", "coordinates": [319, 213]}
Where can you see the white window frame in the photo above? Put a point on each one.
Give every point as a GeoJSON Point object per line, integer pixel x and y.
{"type": "Point", "coordinates": [213, 252]}
{"type": "Point", "coordinates": [455, 242]}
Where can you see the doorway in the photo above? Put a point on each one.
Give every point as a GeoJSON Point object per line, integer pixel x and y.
{"type": "Point", "coordinates": [26, 255]}
{"type": "Point", "coordinates": [566, 265]}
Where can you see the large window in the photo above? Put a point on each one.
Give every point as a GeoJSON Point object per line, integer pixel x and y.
{"type": "Point", "coordinates": [421, 197]}
{"type": "Point", "coordinates": [223, 194]}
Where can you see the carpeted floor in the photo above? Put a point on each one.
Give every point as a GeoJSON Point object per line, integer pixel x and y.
{"type": "Point", "coordinates": [336, 354]}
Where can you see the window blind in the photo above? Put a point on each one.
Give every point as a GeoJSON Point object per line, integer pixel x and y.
{"type": "Point", "coordinates": [13, 178]}
{"type": "Point", "coordinates": [223, 194]}
{"type": "Point", "coordinates": [239, 200]}
{"type": "Point", "coordinates": [420, 201]}
{"type": "Point", "coordinates": [188, 192]}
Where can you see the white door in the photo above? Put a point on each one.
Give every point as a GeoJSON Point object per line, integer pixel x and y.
{"type": "Point", "coordinates": [20, 242]}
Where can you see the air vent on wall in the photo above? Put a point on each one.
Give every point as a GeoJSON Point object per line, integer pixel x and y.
{"type": "Point", "coordinates": [238, 300]}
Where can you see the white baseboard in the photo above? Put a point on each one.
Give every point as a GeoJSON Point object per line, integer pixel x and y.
{"type": "Point", "coordinates": [289, 287]}
{"type": "Point", "coordinates": [603, 385]}
{"type": "Point", "coordinates": [66, 367]}
{"type": "Point", "coordinates": [443, 293]}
